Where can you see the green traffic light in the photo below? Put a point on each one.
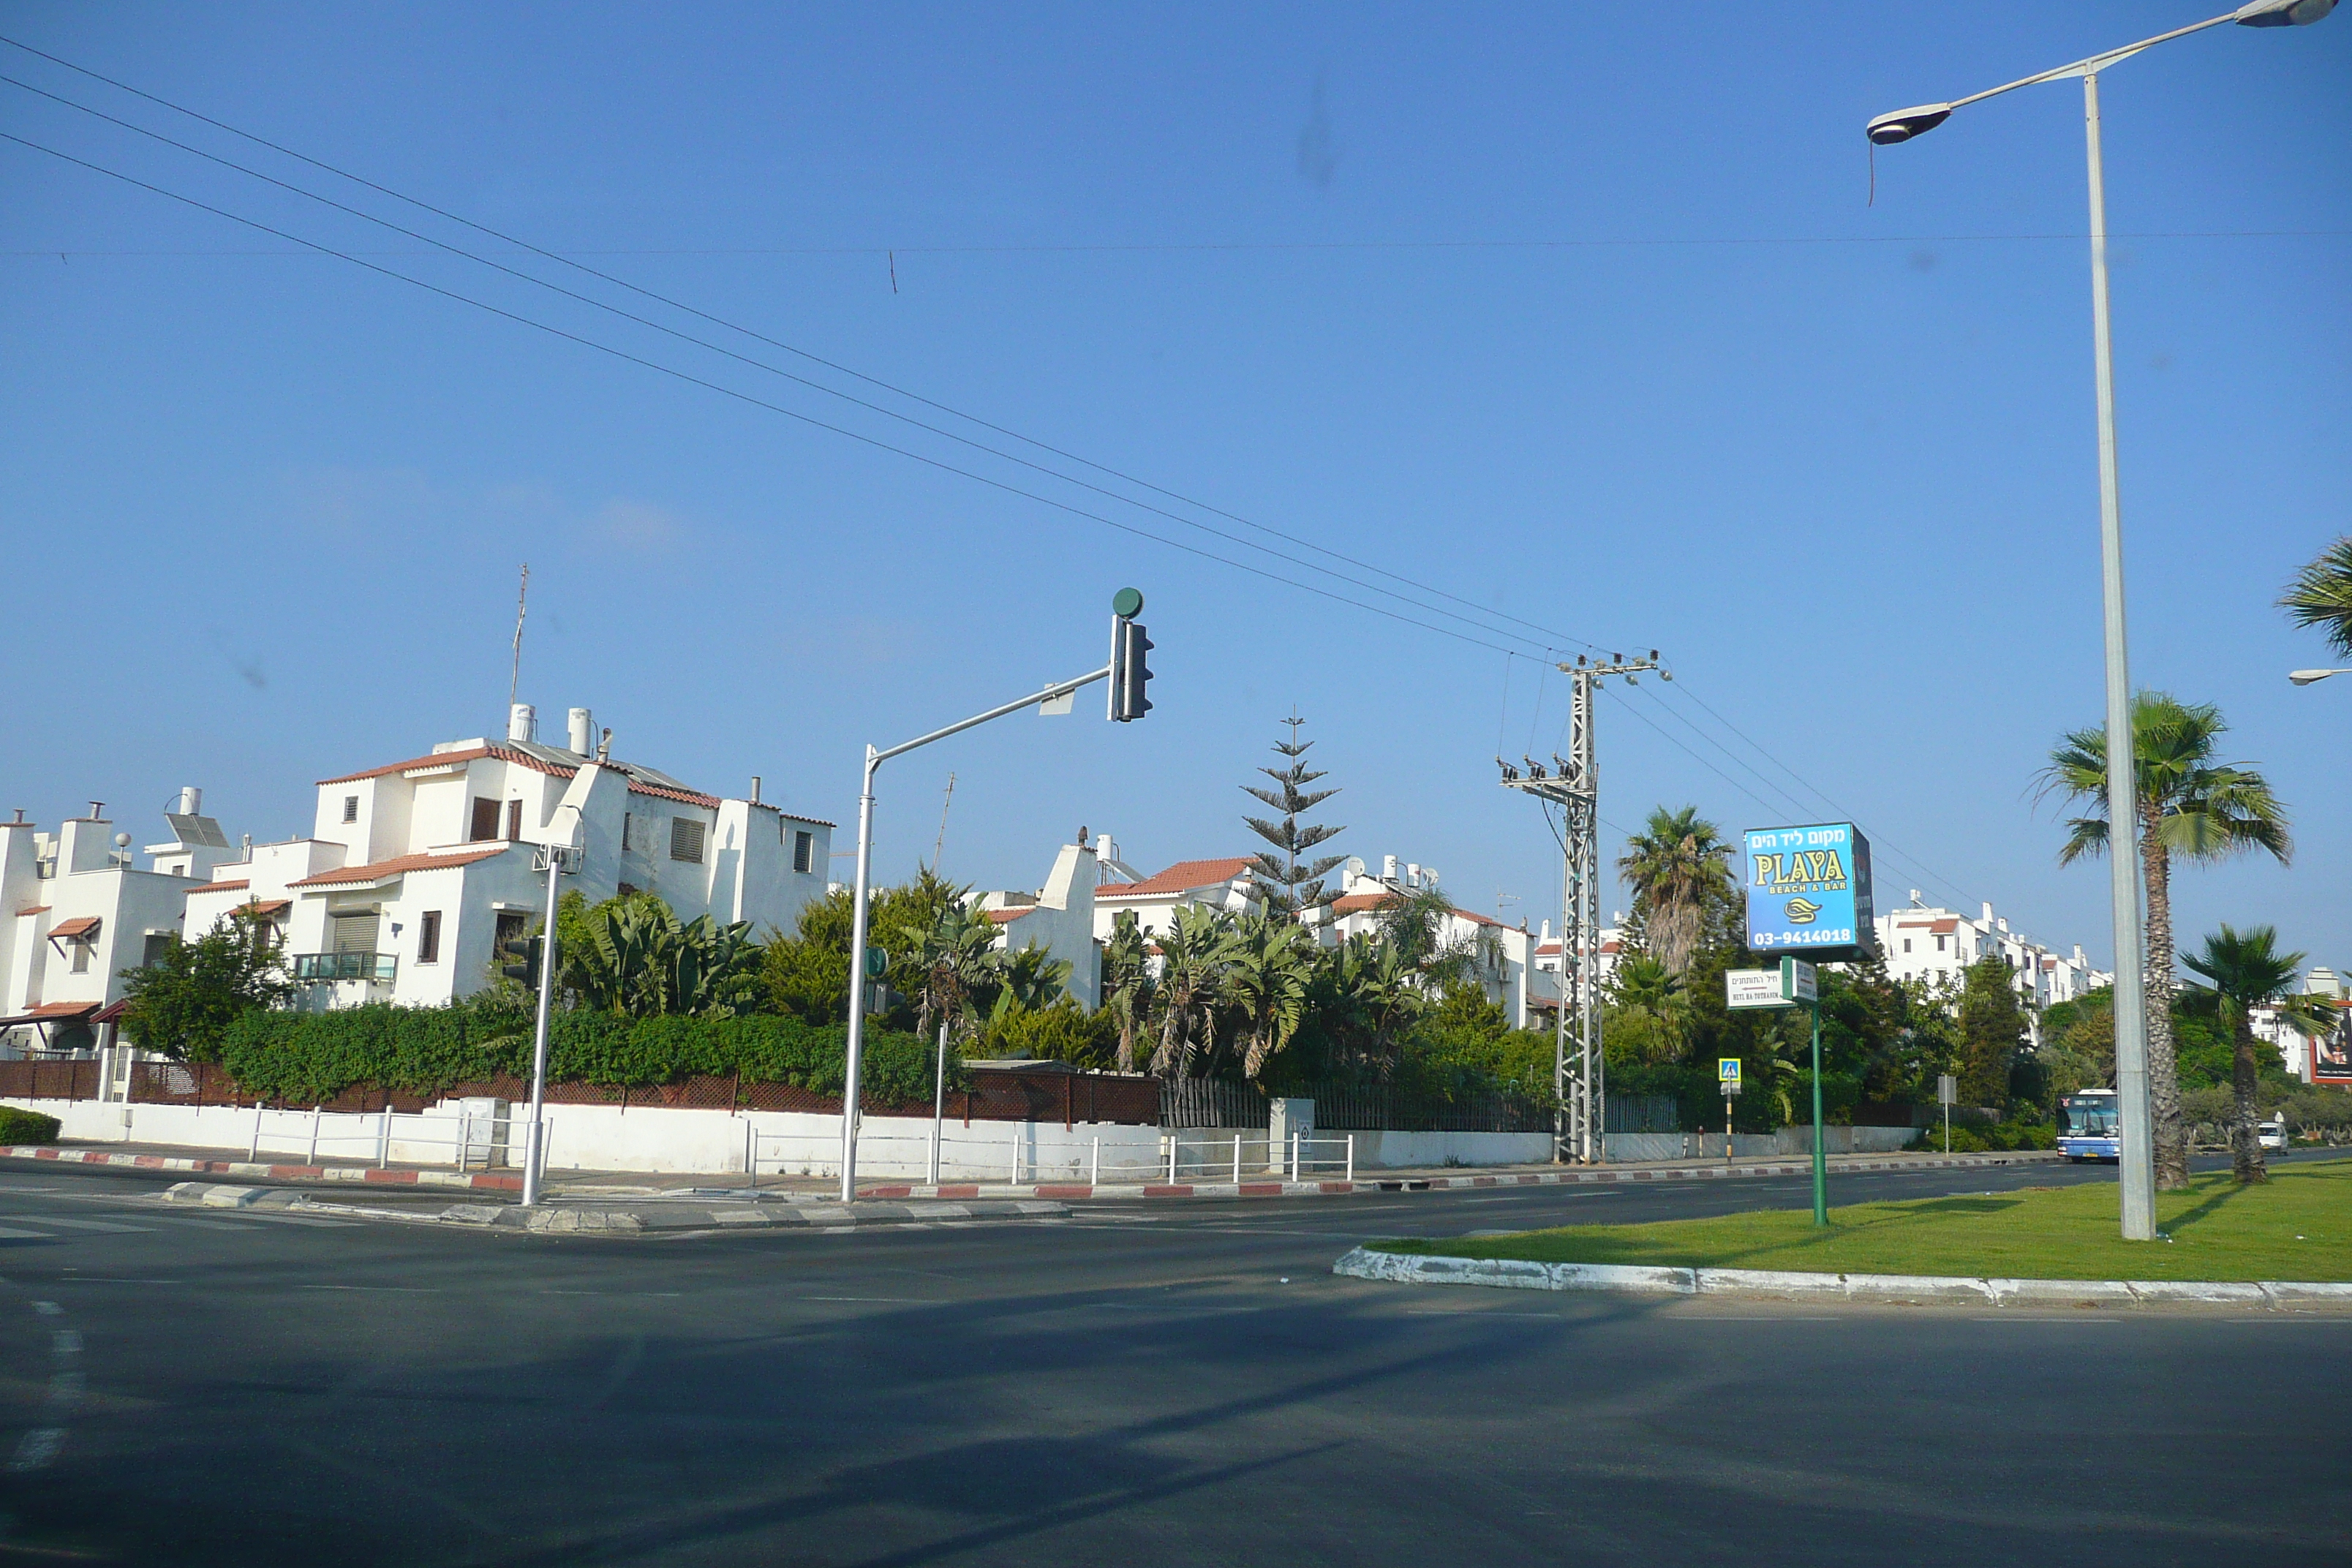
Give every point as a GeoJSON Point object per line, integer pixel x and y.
{"type": "Point", "coordinates": [1127, 604]}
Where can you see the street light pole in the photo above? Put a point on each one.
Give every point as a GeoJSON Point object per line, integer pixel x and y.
{"type": "Point", "coordinates": [2137, 1173]}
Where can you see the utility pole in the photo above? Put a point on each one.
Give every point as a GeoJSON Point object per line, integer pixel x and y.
{"type": "Point", "coordinates": [522, 598]}
{"type": "Point", "coordinates": [1580, 1090]}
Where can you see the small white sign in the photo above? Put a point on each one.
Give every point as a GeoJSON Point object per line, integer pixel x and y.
{"type": "Point", "coordinates": [1948, 1089]}
{"type": "Point", "coordinates": [1055, 705]}
{"type": "Point", "coordinates": [1752, 988]}
{"type": "Point", "coordinates": [1798, 980]}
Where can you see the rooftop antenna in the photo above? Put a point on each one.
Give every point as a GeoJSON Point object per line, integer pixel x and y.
{"type": "Point", "coordinates": [940, 843]}
{"type": "Point", "coordinates": [514, 683]}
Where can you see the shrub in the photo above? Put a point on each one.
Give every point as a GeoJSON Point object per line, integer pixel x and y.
{"type": "Point", "coordinates": [308, 1057]}
{"type": "Point", "coordinates": [26, 1126]}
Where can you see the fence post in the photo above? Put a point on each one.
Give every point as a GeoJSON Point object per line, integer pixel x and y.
{"type": "Point", "coordinates": [1016, 1154]}
{"type": "Point", "coordinates": [383, 1138]}
{"type": "Point", "coordinates": [254, 1153]}
{"type": "Point", "coordinates": [1094, 1164]}
{"type": "Point", "coordinates": [1351, 1158]}
{"type": "Point", "coordinates": [1173, 1137]}
{"type": "Point", "coordinates": [1237, 1159]}
{"type": "Point", "coordinates": [751, 1154]}
{"type": "Point", "coordinates": [313, 1158]}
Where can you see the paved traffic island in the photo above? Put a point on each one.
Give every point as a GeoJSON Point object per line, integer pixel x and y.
{"type": "Point", "coordinates": [685, 1211]}
{"type": "Point", "coordinates": [2286, 1242]}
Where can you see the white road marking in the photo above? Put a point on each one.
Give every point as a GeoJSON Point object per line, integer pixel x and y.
{"type": "Point", "coordinates": [10, 1233]}
{"type": "Point", "coordinates": [106, 1225]}
{"type": "Point", "coordinates": [214, 1223]}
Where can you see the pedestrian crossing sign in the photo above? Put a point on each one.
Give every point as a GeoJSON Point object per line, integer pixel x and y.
{"type": "Point", "coordinates": [1726, 1069]}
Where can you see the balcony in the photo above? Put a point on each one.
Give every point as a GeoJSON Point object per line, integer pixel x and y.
{"type": "Point", "coordinates": [319, 967]}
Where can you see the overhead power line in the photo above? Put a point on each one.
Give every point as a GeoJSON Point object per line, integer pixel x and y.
{"type": "Point", "coordinates": [1560, 638]}
{"type": "Point", "coordinates": [746, 398]}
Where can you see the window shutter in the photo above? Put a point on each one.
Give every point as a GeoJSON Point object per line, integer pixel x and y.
{"type": "Point", "coordinates": [486, 819]}
{"type": "Point", "coordinates": [686, 839]}
{"type": "Point", "coordinates": [514, 820]}
{"type": "Point", "coordinates": [428, 937]}
{"type": "Point", "coordinates": [356, 933]}
{"type": "Point", "coordinates": [804, 851]}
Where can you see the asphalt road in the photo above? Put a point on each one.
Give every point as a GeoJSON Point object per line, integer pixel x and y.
{"type": "Point", "coordinates": [1161, 1383]}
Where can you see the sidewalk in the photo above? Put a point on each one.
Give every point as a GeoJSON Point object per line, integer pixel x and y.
{"type": "Point", "coordinates": [607, 1185]}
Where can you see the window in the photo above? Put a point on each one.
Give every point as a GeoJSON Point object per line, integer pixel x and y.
{"type": "Point", "coordinates": [350, 808]}
{"type": "Point", "coordinates": [626, 820]}
{"type": "Point", "coordinates": [512, 924]}
{"type": "Point", "coordinates": [1939, 944]}
{"type": "Point", "coordinates": [1906, 944]}
{"type": "Point", "coordinates": [159, 944]}
{"type": "Point", "coordinates": [80, 956]}
{"type": "Point", "coordinates": [686, 839]}
{"type": "Point", "coordinates": [428, 937]}
{"type": "Point", "coordinates": [804, 851]}
{"type": "Point", "coordinates": [514, 820]}
{"type": "Point", "coordinates": [486, 820]}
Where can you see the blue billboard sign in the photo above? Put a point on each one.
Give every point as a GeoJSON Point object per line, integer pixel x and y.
{"type": "Point", "coordinates": [1809, 888]}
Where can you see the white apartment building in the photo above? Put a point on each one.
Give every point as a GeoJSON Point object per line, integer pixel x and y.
{"type": "Point", "coordinates": [415, 870]}
{"type": "Point", "coordinates": [1933, 946]}
{"type": "Point", "coordinates": [1058, 917]}
{"type": "Point", "coordinates": [1502, 952]}
{"type": "Point", "coordinates": [1223, 884]}
{"type": "Point", "coordinates": [75, 912]}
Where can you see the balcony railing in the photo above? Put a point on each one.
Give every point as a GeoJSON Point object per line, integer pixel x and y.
{"type": "Point", "coordinates": [378, 967]}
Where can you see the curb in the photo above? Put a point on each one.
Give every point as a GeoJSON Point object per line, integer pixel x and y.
{"type": "Point", "coordinates": [1517, 1275]}
{"type": "Point", "coordinates": [632, 1219]}
{"type": "Point", "coordinates": [1052, 1191]}
{"type": "Point", "coordinates": [1277, 1188]}
{"type": "Point", "coordinates": [368, 1175]}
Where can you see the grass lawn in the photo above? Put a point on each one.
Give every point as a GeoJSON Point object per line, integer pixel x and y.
{"type": "Point", "coordinates": [2297, 1227]}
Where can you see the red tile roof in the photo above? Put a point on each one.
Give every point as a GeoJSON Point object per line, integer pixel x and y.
{"type": "Point", "coordinates": [1006, 917]}
{"type": "Point", "coordinates": [689, 796]}
{"type": "Point", "coordinates": [269, 907]}
{"type": "Point", "coordinates": [381, 870]}
{"type": "Point", "coordinates": [1358, 903]}
{"type": "Point", "coordinates": [34, 910]}
{"type": "Point", "coordinates": [80, 925]}
{"type": "Point", "coordinates": [508, 755]}
{"type": "Point", "coordinates": [1182, 877]}
{"type": "Point", "coordinates": [219, 888]}
{"type": "Point", "coordinates": [52, 1011]}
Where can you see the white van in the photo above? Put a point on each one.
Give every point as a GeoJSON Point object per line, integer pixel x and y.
{"type": "Point", "coordinates": [2272, 1134]}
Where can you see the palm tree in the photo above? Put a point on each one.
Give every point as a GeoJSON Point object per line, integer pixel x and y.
{"type": "Point", "coordinates": [2190, 806]}
{"type": "Point", "coordinates": [956, 963]}
{"type": "Point", "coordinates": [2321, 596]}
{"type": "Point", "coordinates": [1414, 922]}
{"type": "Point", "coordinates": [1029, 981]}
{"type": "Point", "coordinates": [1677, 865]}
{"type": "Point", "coordinates": [1127, 982]}
{"type": "Point", "coordinates": [2247, 971]}
{"type": "Point", "coordinates": [1193, 950]}
{"type": "Point", "coordinates": [1266, 978]}
{"type": "Point", "coordinates": [1644, 985]}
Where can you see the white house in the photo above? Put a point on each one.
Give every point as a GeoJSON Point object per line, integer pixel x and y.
{"type": "Point", "coordinates": [1223, 884]}
{"type": "Point", "coordinates": [1501, 953]}
{"type": "Point", "coordinates": [1058, 917]}
{"type": "Point", "coordinates": [1933, 946]}
{"type": "Point", "coordinates": [75, 912]}
{"type": "Point", "coordinates": [415, 870]}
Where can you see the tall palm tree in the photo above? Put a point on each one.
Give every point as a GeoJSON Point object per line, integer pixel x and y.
{"type": "Point", "coordinates": [1643, 985]}
{"type": "Point", "coordinates": [1194, 951]}
{"type": "Point", "coordinates": [2321, 596]}
{"type": "Point", "coordinates": [956, 964]}
{"type": "Point", "coordinates": [1676, 865]}
{"type": "Point", "coordinates": [1127, 982]}
{"type": "Point", "coordinates": [2189, 805]}
{"type": "Point", "coordinates": [1266, 978]}
{"type": "Point", "coordinates": [2246, 972]}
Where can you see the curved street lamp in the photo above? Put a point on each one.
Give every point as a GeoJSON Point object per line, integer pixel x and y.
{"type": "Point", "coordinates": [2305, 676]}
{"type": "Point", "coordinates": [2137, 1174]}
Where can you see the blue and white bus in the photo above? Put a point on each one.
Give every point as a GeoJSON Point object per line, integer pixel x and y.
{"type": "Point", "coordinates": [2086, 1126]}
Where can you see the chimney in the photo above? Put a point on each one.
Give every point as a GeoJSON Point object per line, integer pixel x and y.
{"type": "Point", "coordinates": [1987, 913]}
{"type": "Point", "coordinates": [192, 800]}
{"type": "Point", "coordinates": [583, 733]}
{"type": "Point", "coordinates": [578, 715]}
{"type": "Point", "coordinates": [1914, 899]}
{"type": "Point", "coordinates": [522, 722]}
{"type": "Point", "coordinates": [605, 746]}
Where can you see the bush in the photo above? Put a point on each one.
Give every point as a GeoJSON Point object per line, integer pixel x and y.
{"type": "Point", "coordinates": [26, 1126]}
{"type": "Point", "coordinates": [309, 1058]}
{"type": "Point", "coordinates": [2000, 1138]}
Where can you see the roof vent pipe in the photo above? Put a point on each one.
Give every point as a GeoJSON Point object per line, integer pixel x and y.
{"type": "Point", "coordinates": [522, 722]}
{"type": "Point", "coordinates": [755, 779]}
{"type": "Point", "coordinates": [583, 731]}
{"type": "Point", "coordinates": [192, 800]}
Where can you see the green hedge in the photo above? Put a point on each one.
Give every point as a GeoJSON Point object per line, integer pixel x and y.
{"type": "Point", "coordinates": [26, 1126]}
{"type": "Point", "coordinates": [306, 1058]}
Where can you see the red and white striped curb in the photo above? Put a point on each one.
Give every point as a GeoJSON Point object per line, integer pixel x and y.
{"type": "Point", "coordinates": [369, 1174]}
{"type": "Point", "coordinates": [1370, 1184]}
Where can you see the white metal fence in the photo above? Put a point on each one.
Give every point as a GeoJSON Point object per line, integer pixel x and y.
{"type": "Point", "coordinates": [1019, 1159]}
{"type": "Point", "coordinates": [474, 1139]}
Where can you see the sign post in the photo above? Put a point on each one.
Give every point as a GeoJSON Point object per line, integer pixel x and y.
{"type": "Point", "coordinates": [1727, 1068]}
{"type": "Point", "coordinates": [1948, 1093]}
{"type": "Point", "coordinates": [1798, 985]}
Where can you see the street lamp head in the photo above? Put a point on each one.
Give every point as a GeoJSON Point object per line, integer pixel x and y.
{"type": "Point", "coordinates": [2305, 676]}
{"type": "Point", "coordinates": [2281, 13]}
{"type": "Point", "coordinates": [1905, 123]}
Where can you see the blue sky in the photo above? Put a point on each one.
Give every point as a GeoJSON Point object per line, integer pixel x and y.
{"type": "Point", "coordinates": [1577, 313]}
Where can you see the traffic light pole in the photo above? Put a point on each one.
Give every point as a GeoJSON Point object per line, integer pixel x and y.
{"type": "Point", "coordinates": [1054, 698]}
{"type": "Point", "coordinates": [556, 856]}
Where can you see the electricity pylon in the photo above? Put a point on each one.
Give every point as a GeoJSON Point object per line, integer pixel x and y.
{"type": "Point", "coordinates": [1579, 1076]}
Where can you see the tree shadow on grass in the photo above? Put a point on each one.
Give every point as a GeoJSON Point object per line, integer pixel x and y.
{"type": "Point", "coordinates": [2226, 1190]}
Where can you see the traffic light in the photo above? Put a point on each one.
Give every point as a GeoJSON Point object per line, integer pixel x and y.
{"type": "Point", "coordinates": [522, 958]}
{"type": "Point", "coordinates": [1130, 674]}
